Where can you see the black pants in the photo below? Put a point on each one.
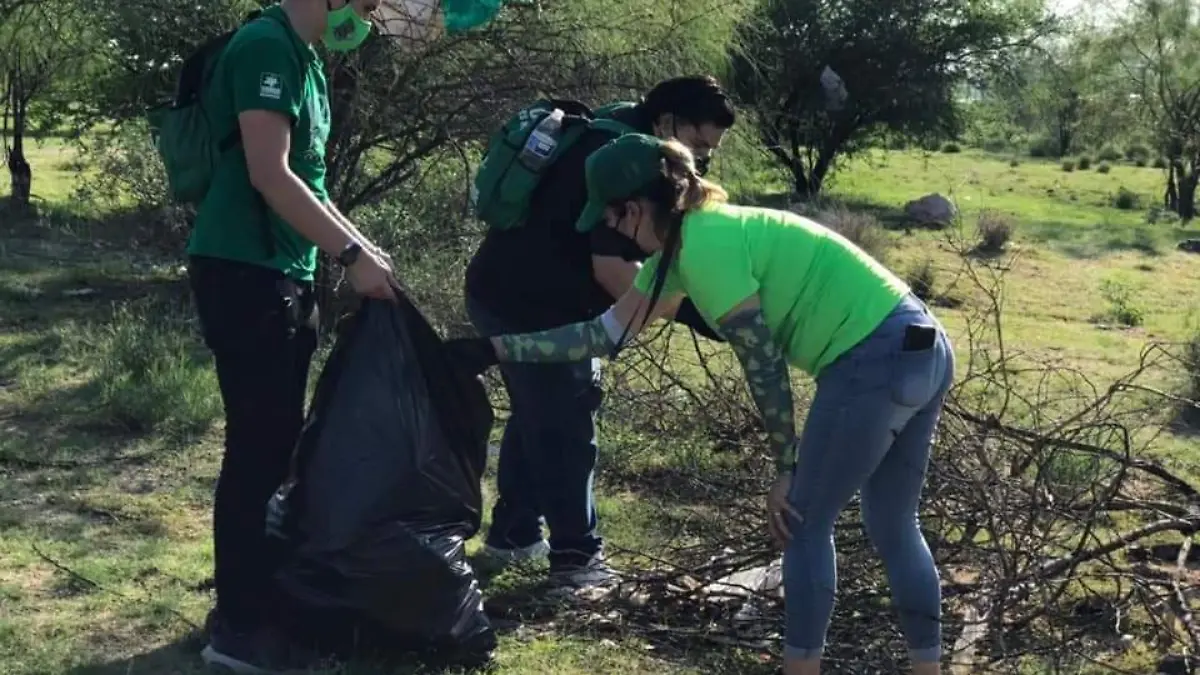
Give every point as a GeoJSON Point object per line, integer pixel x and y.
{"type": "Point", "coordinates": [262, 331]}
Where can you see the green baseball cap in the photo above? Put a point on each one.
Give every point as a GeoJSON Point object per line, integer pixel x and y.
{"type": "Point", "coordinates": [619, 169]}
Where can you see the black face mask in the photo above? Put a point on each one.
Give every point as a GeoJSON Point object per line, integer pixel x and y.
{"type": "Point", "coordinates": [702, 164]}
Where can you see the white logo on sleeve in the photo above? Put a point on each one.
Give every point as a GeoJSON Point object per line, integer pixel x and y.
{"type": "Point", "coordinates": [270, 86]}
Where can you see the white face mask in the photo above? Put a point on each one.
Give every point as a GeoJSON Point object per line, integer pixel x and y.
{"type": "Point", "coordinates": [413, 23]}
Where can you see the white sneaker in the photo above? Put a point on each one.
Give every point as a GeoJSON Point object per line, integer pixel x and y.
{"type": "Point", "coordinates": [509, 556]}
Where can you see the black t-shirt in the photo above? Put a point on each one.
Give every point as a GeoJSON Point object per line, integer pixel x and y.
{"type": "Point", "coordinates": [539, 275]}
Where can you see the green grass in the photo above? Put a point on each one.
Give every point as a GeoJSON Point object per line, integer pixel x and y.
{"type": "Point", "coordinates": [1069, 212]}
{"type": "Point", "coordinates": [54, 173]}
{"type": "Point", "coordinates": [110, 420]}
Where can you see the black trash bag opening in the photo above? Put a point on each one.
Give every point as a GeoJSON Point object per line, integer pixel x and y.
{"type": "Point", "coordinates": [385, 490]}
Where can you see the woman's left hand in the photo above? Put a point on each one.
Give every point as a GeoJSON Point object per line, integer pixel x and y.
{"type": "Point", "coordinates": [778, 510]}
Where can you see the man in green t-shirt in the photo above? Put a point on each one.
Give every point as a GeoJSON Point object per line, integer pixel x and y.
{"type": "Point", "coordinates": [252, 258]}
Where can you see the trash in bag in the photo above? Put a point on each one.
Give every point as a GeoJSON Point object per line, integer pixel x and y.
{"type": "Point", "coordinates": [384, 493]}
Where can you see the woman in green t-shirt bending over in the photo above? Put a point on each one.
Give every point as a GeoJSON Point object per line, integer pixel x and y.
{"type": "Point", "coordinates": [784, 290]}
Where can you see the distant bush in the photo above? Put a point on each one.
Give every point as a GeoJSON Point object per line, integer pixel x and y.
{"type": "Point", "coordinates": [1043, 147]}
{"type": "Point", "coordinates": [151, 374]}
{"type": "Point", "coordinates": [1014, 163]}
{"type": "Point", "coordinates": [951, 148]}
{"type": "Point", "coordinates": [863, 229]}
{"type": "Point", "coordinates": [995, 229]}
{"type": "Point", "coordinates": [1085, 163]}
{"type": "Point", "coordinates": [1160, 163]}
{"type": "Point", "coordinates": [897, 144]}
{"type": "Point", "coordinates": [127, 168]}
{"type": "Point", "coordinates": [1137, 153]}
{"type": "Point", "coordinates": [996, 144]}
{"type": "Point", "coordinates": [1108, 154]}
{"type": "Point", "coordinates": [1191, 368]}
{"type": "Point", "coordinates": [1104, 167]}
{"type": "Point", "coordinates": [1160, 214]}
{"type": "Point", "coordinates": [1127, 200]}
{"type": "Point", "coordinates": [1144, 241]}
{"type": "Point", "coordinates": [1122, 306]}
{"type": "Point", "coordinates": [921, 279]}
{"type": "Point", "coordinates": [1068, 166]}
{"type": "Point", "coordinates": [1140, 162]}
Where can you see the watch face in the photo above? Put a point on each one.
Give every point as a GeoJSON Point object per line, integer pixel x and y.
{"type": "Point", "coordinates": [349, 255]}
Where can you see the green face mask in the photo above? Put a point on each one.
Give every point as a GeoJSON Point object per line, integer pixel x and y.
{"type": "Point", "coordinates": [345, 30]}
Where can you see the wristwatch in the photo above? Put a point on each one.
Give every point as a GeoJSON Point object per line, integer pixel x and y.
{"type": "Point", "coordinates": [349, 255]}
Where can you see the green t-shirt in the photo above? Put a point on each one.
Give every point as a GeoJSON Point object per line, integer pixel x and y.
{"type": "Point", "coordinates": [820, 293]}
{"type": "Point", "coordinates": [265, 66]}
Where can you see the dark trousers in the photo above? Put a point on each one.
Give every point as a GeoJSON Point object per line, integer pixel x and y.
{"type": "Point", "coordinates": [547, 455]}
{"type": "Point", "coordinates": [262, 331]}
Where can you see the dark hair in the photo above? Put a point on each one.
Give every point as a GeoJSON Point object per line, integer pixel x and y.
{"type": "Point", "coordinates": [695, 99]}
{"type": "Point", "coordinates": [678, 189]}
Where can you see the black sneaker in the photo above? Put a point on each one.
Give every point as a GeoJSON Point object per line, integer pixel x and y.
{"type": "Point", "coordinates": [263, 651]}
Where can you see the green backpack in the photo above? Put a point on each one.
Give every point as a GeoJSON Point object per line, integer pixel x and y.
{"type": "Point", "coordinates": [181, 129]}
{"type": "Point", "coordinates": [515, 162]}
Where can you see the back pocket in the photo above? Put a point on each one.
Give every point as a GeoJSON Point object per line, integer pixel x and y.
{"type": "Point", "coordinates": [914, 370]}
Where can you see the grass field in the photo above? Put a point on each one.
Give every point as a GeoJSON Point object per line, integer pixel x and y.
{"type": "Point", "coordinates": [106, 477]}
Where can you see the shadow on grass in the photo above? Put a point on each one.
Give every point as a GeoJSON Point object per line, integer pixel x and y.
{"type": "Point", "coordinates": [182, 657]}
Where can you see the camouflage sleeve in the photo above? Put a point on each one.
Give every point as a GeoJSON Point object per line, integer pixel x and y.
{"type": "Point", "coordinates": [574, 342]}
{"type": "Point", "coordinates": [769, 380]}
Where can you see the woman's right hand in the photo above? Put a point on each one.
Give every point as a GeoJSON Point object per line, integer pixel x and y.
{"type": "Point", "coordinates": [371, 277]}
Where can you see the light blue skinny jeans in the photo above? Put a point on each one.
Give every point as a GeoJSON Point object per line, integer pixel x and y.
{"type": "Point", "coordinates": [870, 429]}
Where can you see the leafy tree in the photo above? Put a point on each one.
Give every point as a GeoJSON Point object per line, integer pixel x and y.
{"type": "Point", "coordinates": [900, 63]}
{"type": "Point", "coordinates": [1159, 47]}
{"type": "Point", "coordinates": [41, 43]}
{"type": "Point", "coordinates": [136, 63]}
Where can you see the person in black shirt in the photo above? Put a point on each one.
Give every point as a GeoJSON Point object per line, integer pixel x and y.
{"type": "Point", "coordinates": [543, 274]}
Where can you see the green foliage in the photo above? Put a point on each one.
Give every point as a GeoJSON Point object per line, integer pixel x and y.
{"type": "Point", "coordinates": [152, 374]}
{"type": "Point", "coordinates": [1084, 163]}
{"type": "Point", "coordinates": [139, 48]}
{"type": "Point", "coordinates": [1108, 154]}
{"type": "Point", "coordinates": [1068, 166]}
{"type": "Point", "coordinates": [1043, 147]}
{"type": "Point", "coordinates": [1123, 307]}
{"type": "Point", "coordinates": [1104, 167]}
{"type": "Point", "coordinates": [126, 169]}
{"type": "Point", "coordinates": [1127, 200]}
{"type": "Point", "coordinates": [1137, 152]}
{"type": "Point", "coordinates": [951, 148]}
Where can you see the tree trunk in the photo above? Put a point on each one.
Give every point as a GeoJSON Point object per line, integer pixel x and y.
{"type": "Point", "coordinates": [1065, 138]}
{"type": "Point", "coordinates": [1187, 194]}
{"type": "Point", "coordinates": [1171, 197]}
{"type": "Point", "coordinates": [19, 171]}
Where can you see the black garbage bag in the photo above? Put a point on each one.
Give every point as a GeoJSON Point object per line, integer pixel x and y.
{"type": "Point", "coordinates": [383, 495]}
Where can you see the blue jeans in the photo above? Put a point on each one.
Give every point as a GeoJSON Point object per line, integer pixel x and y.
{"type": "Point", "coordinates": [870, 428]}
{"type": "Point", "coordinates": [547, 455]}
